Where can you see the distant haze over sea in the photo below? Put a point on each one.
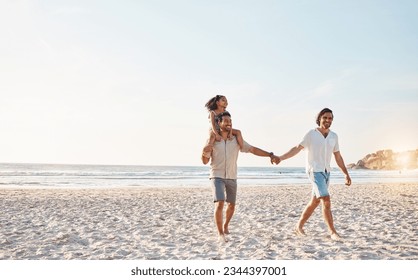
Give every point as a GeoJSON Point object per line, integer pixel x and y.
{"type": "Point", "coordinates": [21, 175]}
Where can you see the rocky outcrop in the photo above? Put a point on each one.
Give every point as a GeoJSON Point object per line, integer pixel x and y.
{"type": "Point", "coordinates": [388, 160]}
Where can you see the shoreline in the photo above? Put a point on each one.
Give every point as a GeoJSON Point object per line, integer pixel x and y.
{"type": "Point", "coordinates": [199, 185]}
{"type": "Point", "coordinates": [376, 221]}
{"type": "Point", "coordinates": [92, 176]}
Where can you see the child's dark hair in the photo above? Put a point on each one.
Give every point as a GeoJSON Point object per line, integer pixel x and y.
{"type": "Point", "coordinates": [323, 111]}
{"type": "Point", "coordinates": [211, 104]}
{"type": "Point", "coordinates": [221, 115]}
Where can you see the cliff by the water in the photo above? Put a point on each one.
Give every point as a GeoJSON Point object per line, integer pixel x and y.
{"type": "Point", "coordinates": [388, 160]}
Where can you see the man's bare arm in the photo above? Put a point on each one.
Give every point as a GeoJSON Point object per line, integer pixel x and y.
{"type": "Point", "coordinates": [206, 153]}
{"type": "Point", "coordinates": [292, 152]}
{"type": "Point", "coordinates": [341, 165]}
{"type": "Point", "coordinates": [261, 153]}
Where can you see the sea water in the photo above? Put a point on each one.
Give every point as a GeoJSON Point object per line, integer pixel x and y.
{"type": "Point", "coordinates": [19, 175]}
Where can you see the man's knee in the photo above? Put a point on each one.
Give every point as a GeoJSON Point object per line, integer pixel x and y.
{"type": "Point", "coordinates": [315, 201]}
{"type": "Point", "coordinates": [231, 206]}
{"type": "Point", "coordinates": [219, 205]}
{"type": "Point", "coordinates": [326, 202]}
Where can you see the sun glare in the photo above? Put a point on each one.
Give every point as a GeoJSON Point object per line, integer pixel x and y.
{"type": "Point", "coordinates": [403, 160]}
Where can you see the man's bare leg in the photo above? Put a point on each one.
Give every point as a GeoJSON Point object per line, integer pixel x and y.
{"type": "Point", "coordinates": [326, 212]}
{"type": "Point", "coordinates": [218, 215]}
{"type": "Point", "coordinates": [229, 213]}
{"type": "Point", "coordinates": [306, 214]}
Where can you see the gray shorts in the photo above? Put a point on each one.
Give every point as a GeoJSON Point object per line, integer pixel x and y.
{"type": "Point", "coordinates": [221, 186]}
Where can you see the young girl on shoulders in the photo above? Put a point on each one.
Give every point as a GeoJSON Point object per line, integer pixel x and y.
{"type": "Point", "coordinates": [215, 106]}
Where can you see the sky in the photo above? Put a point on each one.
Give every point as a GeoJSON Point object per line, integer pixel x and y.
{"type": "Point", "coordinates": [125, 82]}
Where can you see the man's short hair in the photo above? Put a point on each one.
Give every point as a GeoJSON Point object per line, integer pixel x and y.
{"type": "Point", "coordinates": [320, 114]}
{"type": "Point", "coordinates": [221, 115]}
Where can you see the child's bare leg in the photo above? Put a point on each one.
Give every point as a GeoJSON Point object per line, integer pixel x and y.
{"type": "Point", "coordinates": [238, 135]}
{"type": "Point", "coordinates": [212, 138]}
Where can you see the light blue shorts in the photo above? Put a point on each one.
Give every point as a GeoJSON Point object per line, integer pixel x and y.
{"type": "Point", "coordinates": [221, 186]}
{"type": "Point", "coordinates": [320, 183]}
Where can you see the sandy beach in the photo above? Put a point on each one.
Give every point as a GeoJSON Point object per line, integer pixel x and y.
{"type": "Point", "coordinates": [377, 222]}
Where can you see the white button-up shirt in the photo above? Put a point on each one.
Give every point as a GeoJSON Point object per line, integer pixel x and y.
{"type": "Point", "coordinates": [224, 158]}
{"type": "Point", "coordinates": [319, 149]}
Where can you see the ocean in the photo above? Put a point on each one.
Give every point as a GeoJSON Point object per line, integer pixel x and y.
{"type": "Point", "coordinates": [19, 175]}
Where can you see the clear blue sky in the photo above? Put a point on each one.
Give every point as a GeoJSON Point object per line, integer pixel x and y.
{"type": "Point", "coordinates": [125, 82]}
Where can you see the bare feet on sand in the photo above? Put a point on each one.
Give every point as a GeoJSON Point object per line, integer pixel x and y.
{"type": "Point", "coordinates": [299, 231]}
{"type": "Point", "coordinates": [335, 236]}
{"type": "Point", "coordinates": [226, 231]}
{"type": "Point", "coordinates": [222, 238]}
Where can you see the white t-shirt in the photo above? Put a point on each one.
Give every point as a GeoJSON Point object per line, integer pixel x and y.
{"type": "Point", "coordinates": [319, 149]}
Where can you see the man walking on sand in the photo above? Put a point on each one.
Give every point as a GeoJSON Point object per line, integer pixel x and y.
{"type": "Point", "coordinates": [320, 144]}
{"type": "Point", "coordinates": [223, 171]}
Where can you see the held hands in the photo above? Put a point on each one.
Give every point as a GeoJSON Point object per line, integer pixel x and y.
{"type": "Point", "coordinates": [275, 159]}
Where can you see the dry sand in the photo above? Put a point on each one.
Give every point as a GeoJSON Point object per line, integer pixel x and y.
{"type": "Point", "coordinates": [376, 222]}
